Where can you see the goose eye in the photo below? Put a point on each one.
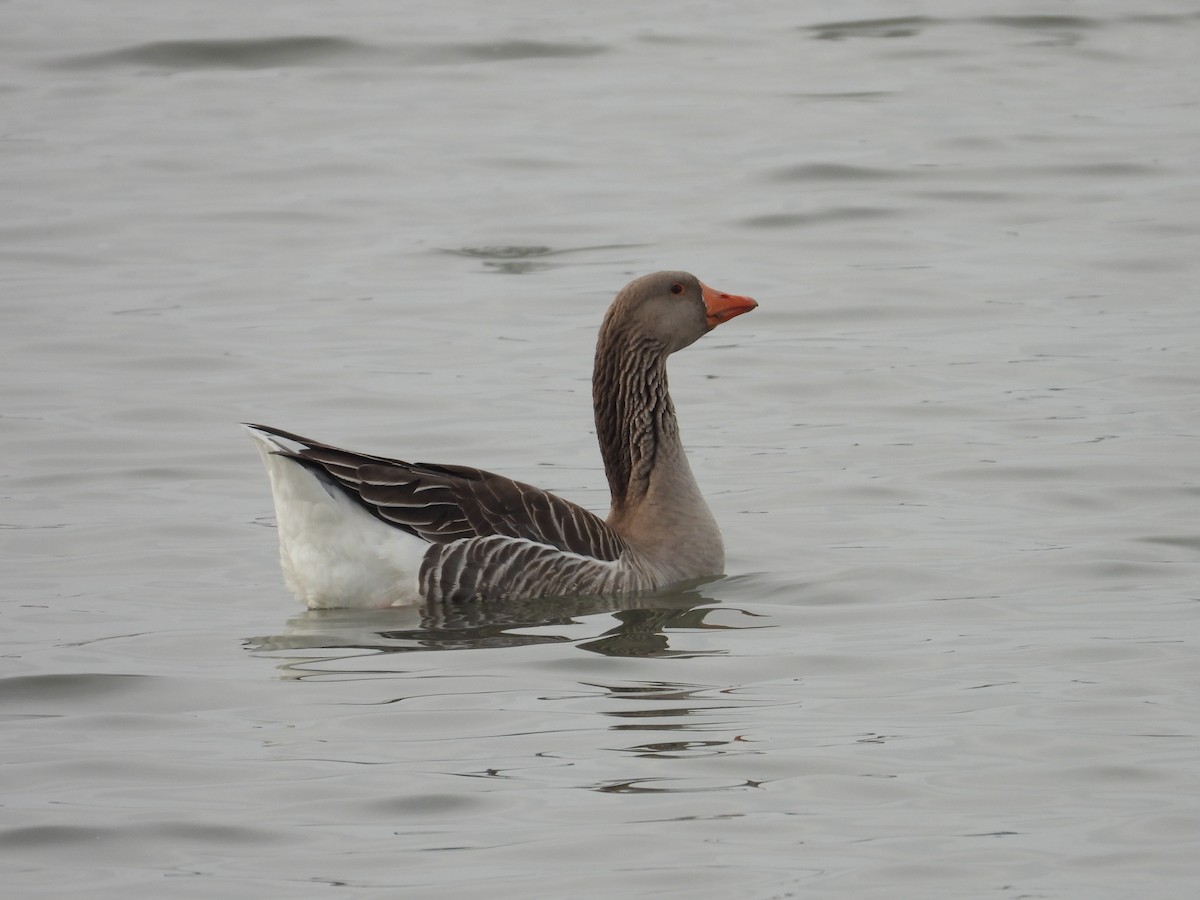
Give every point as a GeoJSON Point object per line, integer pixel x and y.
{"type": "Point", "coordinates": [677, 288]}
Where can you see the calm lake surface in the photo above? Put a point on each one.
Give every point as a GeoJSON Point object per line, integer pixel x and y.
{"type": "Point", "coordinates": [955, 453]}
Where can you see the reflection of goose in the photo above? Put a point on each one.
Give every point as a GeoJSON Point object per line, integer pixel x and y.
{"type": "Point", "coordinates": [632, 626]}
{"type": "Point", "coordinates": [359, 530]}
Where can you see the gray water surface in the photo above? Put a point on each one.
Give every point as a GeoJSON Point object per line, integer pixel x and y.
{"type": "Point", "coordinates": [954, 452]}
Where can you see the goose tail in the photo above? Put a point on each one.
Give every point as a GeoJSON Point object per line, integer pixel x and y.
{"type": "Point", "coordinates": [332, 551]}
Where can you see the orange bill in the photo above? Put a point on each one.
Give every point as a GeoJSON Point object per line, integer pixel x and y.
{"type": "Point", "coordinates": [721, 307]}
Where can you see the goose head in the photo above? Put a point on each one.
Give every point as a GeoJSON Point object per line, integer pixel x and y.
{"type": "Point", "coordinates": [674, 309]}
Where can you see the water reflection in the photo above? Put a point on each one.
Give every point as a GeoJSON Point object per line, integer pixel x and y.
{"type": "Point", "coordinates": [642, 626]}
{"type": "Point", "coordinates": [519, 259]}
{"type": "Point", "coordinates": [677, 749]}
{"type": "Point", "coordinates": [669, 786]}
{"type": "Point", "coordinates": [293, 51]}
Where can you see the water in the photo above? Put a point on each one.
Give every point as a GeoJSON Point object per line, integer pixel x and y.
{"type": "Point", "coordinates": [953, 453]}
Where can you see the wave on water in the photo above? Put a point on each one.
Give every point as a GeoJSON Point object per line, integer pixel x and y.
{"type": "Point", "coordinates": [314, 50]}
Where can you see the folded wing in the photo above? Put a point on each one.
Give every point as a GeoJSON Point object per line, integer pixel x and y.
{"type": "Point", "coordinates": [493, 536]}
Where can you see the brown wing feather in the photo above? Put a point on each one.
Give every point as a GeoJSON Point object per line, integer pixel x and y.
{"type": "Point", "coordinates": [441, 503]}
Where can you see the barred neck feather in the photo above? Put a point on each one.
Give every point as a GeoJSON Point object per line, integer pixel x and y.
{"type": "Point", "coordinates": [656, 504]}
{"type": "Point", "coordinates": [635, 419]}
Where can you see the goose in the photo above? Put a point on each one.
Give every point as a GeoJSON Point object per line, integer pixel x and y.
{"type": "Point", "coordinates": [361, 530]}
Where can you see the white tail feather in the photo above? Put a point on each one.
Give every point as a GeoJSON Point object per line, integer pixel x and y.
{"type": "Point", "coordinates": [333, 552]}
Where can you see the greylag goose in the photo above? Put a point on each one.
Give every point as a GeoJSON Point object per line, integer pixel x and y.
{"type": "Point", "coordinates": [361, 530]}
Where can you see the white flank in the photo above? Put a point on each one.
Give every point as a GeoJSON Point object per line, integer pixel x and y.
{"type": "Point", "coordinates": [333, 552]}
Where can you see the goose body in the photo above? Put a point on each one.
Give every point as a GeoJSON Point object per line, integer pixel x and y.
{"type": "Point", "coordinates": [362, 530]}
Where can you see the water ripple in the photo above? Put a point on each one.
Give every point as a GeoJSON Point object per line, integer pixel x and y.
{"type": "Point", "coordinates": [1058, 27]}
{"type": "Point", "coordinates": [519, 259]}
{"type": "Point", "coordinates": [644, 628]}
{"type": "Point", "coordinates": [899, 26]}
{"type": "Point", "coordinates": [820, 217]}
{"type": "Point", "coordinates": [832, 172]}
{"type": "Point", "coordinates": [314, 50]}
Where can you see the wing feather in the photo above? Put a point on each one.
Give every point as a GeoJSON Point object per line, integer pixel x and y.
{"type": "Point", "coordinates": [444, 504]}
